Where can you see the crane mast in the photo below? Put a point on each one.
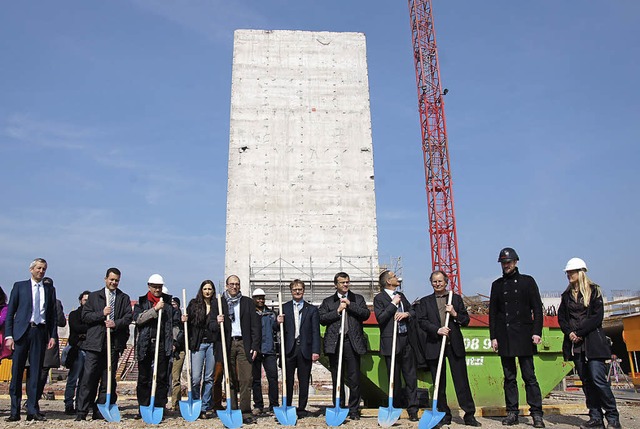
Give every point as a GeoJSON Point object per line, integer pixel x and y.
{"type": "Point", "coordinates": [442, 224]}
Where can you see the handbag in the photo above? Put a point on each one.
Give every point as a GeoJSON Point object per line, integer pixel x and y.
{"type": "Point", "coordinates": [5, 352]}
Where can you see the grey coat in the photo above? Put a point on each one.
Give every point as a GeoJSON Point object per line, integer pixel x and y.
{"type": "Point", "coordinates": [357, 312]}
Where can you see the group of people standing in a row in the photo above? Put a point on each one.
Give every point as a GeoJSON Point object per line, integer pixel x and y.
{"type": "Point", "coordinates": [250, 329]}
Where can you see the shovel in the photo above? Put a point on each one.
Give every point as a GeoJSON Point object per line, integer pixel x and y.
{"type": "Point", "coordinates": [230, 418]}
{"type": "Point", "coordinates": [431, 418]}
{"type": "Point", "coordinates": [387, 416]}
{"type": "Point", "coordinates": [335, 416]}
{"type": "Point", "coordinates": [286, 415]}
{"type": "Point", "coordinates": [189, 409]}
{"type": "Point", "coordinates": [150, 414]}
{"type": "Point", "coordinates": [108, 410]}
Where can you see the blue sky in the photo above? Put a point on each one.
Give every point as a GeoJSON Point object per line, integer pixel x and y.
{"type": "Point", "coordinates": [114, 126]}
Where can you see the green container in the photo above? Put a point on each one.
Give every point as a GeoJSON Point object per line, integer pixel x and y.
{"type": "Point", "coordinates": [483, 365]}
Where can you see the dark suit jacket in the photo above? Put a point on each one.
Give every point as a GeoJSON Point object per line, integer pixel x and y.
{"type": "Point", "coordinates": [93, 316]}
{"type": "Point", "coordinates": [20, 309]}
{"type": "Point", "coordinates": [250, 325]}
{"type": "Point", "coordinates": [357, 312]}
{"type": "Point", "coordinates": [385, 312]}
{"type": "Point", "coordinates": [309, 329]}
{"type": "Point", "coordinates": [429, 320]}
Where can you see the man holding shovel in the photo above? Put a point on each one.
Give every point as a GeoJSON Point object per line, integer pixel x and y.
{"type": "Point", "coordinates": [430, 312]}
{"type": "Point", "coordinates": [106, 308]}
{"type": "Point", "coordinates": [145, 315]}
{"type": "Point", "coordinates": [390, 305]}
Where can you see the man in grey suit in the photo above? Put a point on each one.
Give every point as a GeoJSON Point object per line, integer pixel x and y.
{"type": "Point", "coordinates": [30, 329]}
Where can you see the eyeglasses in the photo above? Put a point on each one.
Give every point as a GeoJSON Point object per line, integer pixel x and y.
{"type": "Point", "coordinates": [156, 286]}
{"type": "Point", "coordinates": [344, 283]}
{"type": "Point", "coordinates": [297, 290]}
{"type": "Point", "coordinates": [233, 284]}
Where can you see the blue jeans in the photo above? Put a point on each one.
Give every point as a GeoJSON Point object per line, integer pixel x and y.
{"type": "Point", "coordinates": [203, 361]}
{"type": "Point", "coordinates": [75, 374]}
{"type": "Point", "coordinates": [597, 390]}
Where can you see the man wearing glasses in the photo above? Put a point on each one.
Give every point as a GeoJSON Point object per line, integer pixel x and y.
{"type": "Point", "coordinates": [246, 337]}
{"type": "Point", "coordinates": [355, 344]}
{"type": "Point", "coordinates": [301, 342]}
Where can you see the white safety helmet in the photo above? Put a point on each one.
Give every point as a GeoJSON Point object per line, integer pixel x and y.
{"type": "Point", "coordinates": [165, 290]}
{"type": "Point", "coordinates": [575, 264]}
{"type": "Point", "coordinates": [258, 292]}
{"type": "Point", "coordinates": [156, 279]}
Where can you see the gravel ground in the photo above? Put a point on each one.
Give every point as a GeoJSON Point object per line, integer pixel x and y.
{"type": "Point", "coordinates": [630, 417]}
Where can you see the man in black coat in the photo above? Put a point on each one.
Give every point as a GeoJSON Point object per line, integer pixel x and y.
{"type": "Point", "coordinates": [515, 328]}
{"type": "Point", "coordinates": [355, 344]}
{"type": "Point", "coordinates": [246, 338]}
{"type": "Point", "coordinates": [75, 356]}
{"type": "Point", "coordinates": [106, 308]}
{"type": "Point", "coordinates": [390, 305]}
{"type": "Point", "coordinates": [301, 342]}
{"type": "Point", "coordinates": [431, 312]}
{"type": "Point", "coordinates": [30, 329]}
{"type": "Point", "coordinates": [146, 313]}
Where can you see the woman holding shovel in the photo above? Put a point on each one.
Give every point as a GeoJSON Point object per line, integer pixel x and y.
{"type": "Point", "coordinates": [203, 334]}
{"type": "Point", "coordinates": [146, 316]}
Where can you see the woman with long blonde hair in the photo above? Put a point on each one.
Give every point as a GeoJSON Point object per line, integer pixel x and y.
{"type": "Point", "coordinates": [580, 317]}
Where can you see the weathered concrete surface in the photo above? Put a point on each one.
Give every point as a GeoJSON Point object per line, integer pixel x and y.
{"type": "Point", "coordinates": [300, 151]}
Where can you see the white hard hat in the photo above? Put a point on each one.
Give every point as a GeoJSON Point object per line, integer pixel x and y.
{"type": "Point", "coordinates": [156, 279]}
{"type": "Point", "coordinates": [575, 264]}
{"type": "Point", "coordinates": [165, 290]}
{"type": "Point", "coordinates": [258, 292]}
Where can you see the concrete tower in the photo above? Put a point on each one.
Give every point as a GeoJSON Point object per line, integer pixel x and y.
{"type": "Point", "coordinates": [300, 199]}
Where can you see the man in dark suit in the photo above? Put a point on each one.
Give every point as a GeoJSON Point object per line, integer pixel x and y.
{"type": "Point", "coordinates": [355, 344]}
{"type": "Point", "coordinates": [390, 305]}
{"type": "Point", "coordinates": [246, 337]}
{"type": "Point", "coordinates": [430, 312]}
{"type": "Point", "coordinates": [30, 329]}
{"type": "Point", "coordinates": [301, 342]}
{"type": "Point", "coordinates": [515, 327]}
{"type": "Point", "coordinates": [106, 308]}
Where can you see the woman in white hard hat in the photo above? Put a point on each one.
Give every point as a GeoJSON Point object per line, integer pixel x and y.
{"type": "Point", "coordinates": [580, 317]}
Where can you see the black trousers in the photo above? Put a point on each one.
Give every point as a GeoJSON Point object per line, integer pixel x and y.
{"type": "Point", "coordinates": [350, 375]}
{"type": "Point", "coordinates": [460, 378]}
{"type": "Point", "coordinates": [295, 360]}
{"type": "Point", "coordinates": [270, 364]}
{"type": "Point", "coordinates": [145, 379]}
{"type": "Point", "coordinates": [531, 386]}
{"type": "Point", "coordinates": [94, 375]}
{"type": "Point", "coordinates": [405, 367]}
{"type": "Point", "coordinates": [32, 345]}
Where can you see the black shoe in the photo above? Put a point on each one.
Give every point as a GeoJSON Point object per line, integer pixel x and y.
{"type": "Point", "coordinates": [413, 417]}
{"type": "Point", "coordinates": [36, 417]}
{"type": "Point", "coordinates": [510, 420]}
{"type": "Point", "coordinates": [97, 416]}
{"type": "Point", "coordinates": [138, 416]}
{"type": "Point", "coordinates": [12, 418]}
{"type": "Point", "coordinates": [538, 422]}
{"type": "Point", "coordinates": [354, 415]}
{"type": "Point", "coordinates": [446, 420]}
{"type": "Point", "coordinates": [302, 414]}
{"type": "Point", "coordinates": [204, 415]}
{"type": "Point", "coordinates": [592, 424]}
{"type": "Point", "coordinates": [249, 419]}
{"type": "Point", "coordinates": [69, 410]}
{"type": "Point", "coordinates": [80, 417]}
{"type": "Point", "coordinates": [614, 424]}
{"type": "Point", "coordinates": [471, 421]}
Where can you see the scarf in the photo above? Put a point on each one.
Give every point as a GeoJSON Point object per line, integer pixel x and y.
{"type": "Point", "coordinates": [232, 302]}
{"type": "Point", "coordinates": [153, 299]}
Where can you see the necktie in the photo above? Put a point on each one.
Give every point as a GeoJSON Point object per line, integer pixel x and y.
{"type": "Point", "coordinates": [346, 320]}
{"type": "Point", "coordinates": [296, 314]}
{"type": "Point", "coordinates": [402, 327]}
{"type": "Point", "coordinates": [112, 304]}
{"type": "Point", "coordinates": [36, 306]}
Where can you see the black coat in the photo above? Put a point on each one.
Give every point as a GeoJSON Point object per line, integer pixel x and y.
{"type": "Point", "coordinates": [357, 312]}
{"type": "Point", "coordinates": [595, 341]}
{"type": "Point", "coordinates": [146, 319]}
{"type": "Point", "coordinates": [197, 331]}
{"type": "Point", "coordinates": [93, 316]}
{"type": "Point", "coordinates": [385, 312]}
{"type": "Point", "coordinates": [77, 328]}
{"type": "Point", "coordinates": [52, 355]}
{"type": "Point", "coordinates": [429, 321]}
{"type": "Point", "coordinates": [309, 329]}
{"type": "Point", "coordinates": [515, 314]}
{"type": "Point", "coordinates": [250, 326]}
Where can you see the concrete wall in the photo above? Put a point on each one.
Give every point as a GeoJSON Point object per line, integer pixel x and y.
{"type": "Point", "coordinates": [301, 182]}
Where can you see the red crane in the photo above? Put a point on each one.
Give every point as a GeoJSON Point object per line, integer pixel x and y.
{"type": "Point", "coordinates": [442, 223]}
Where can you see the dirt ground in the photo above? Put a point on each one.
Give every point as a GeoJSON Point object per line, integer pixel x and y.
{"type": "Point", "coordinates": [561, 412]}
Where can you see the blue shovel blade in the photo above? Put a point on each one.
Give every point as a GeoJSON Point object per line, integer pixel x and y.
{"type": "Point", "coordinates": [190, 409]}
{"type": "Point", "coordinates": [286, 415]}
{"type": "Point", "coordinates": [431, 418]}
{"type": "Point", "coordinates": [387, 416]}
{"type": "Point", "coordinates": [336, 416]}
{"type": "Point", "coordinates": [109, 411]}
{"type": "Point", "coordinates": [150, 414]}
{"type": "Point", "coordinates": [232, 419]}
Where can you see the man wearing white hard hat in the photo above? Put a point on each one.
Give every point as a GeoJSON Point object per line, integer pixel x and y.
{"type": "Point", "coordinates": [106, 308]}
{"type": "Point", "coordinates": [145, 316]}
{"type": "Point", "coordinates": [580, 317]}
{"type": "Point", "coordinates": [266, 357]}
